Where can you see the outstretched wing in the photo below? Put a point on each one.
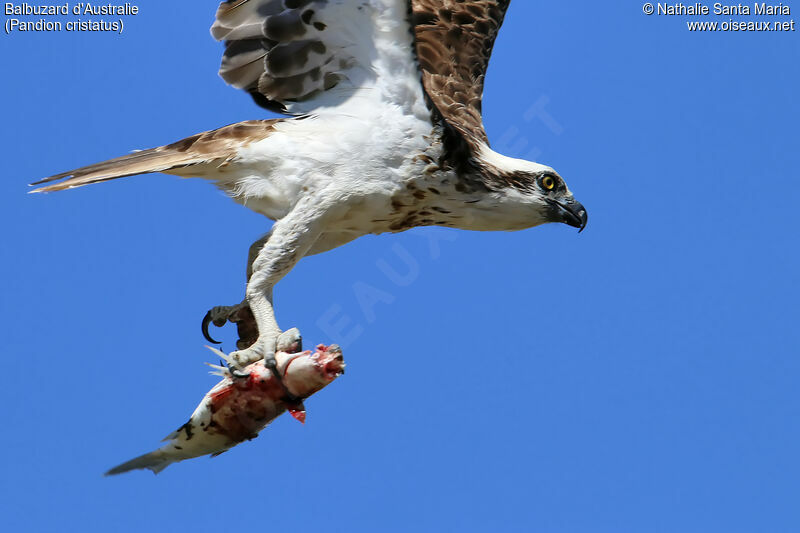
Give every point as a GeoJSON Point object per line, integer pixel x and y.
{"type": "Point", "coordinates": [299, 55]}
{"type": "Point", "coordinates": [296, 56]}
{"type": "Point", "coordinates": [454, 40]}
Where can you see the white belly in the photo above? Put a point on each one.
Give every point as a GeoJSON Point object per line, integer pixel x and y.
{"type": "Point", "coordinates": [359, 163]}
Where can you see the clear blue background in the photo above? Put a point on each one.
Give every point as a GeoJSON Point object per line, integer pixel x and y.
{"type": "Point", "coordinates": [641, 376]}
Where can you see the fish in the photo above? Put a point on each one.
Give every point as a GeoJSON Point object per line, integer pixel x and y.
{"type": "Point", "coordinates": [242, 404]}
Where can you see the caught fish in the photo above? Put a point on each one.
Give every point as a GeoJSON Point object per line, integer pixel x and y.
{"type": "Point", "coordinates": [242, 404]}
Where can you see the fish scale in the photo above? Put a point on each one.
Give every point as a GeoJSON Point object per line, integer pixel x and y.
{"type": "Point", "coordinates": [238, 408]}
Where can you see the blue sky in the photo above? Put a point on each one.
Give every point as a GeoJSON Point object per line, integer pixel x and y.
{"type": "Point", "coordinates": [641, 376]}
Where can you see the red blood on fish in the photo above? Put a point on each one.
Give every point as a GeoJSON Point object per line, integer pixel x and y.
{"type": "Point", "coordinates": [219, 396]}
{"type": "Point", "coordinates": [236, 409]}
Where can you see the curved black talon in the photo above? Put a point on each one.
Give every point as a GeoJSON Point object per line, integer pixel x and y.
{"type": "Point", "coordinates": [206, 321]}
{"type": "Point", "coordinates": [240, 375]}
{"type": "Point", "coordinates": [234, 371]}
{"type": "Point", "coordinates": [218, 316]}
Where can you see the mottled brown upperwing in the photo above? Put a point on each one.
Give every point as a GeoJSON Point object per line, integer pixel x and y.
{"type": "Point", "coordinates": [454, 40]}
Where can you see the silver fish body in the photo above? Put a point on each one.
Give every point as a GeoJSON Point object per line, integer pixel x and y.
{"type": "Point", "coordinates": [238, 408]}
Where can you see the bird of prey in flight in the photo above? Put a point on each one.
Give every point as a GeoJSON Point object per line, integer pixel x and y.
{"type": "Point", "coordinates": [383, 132]}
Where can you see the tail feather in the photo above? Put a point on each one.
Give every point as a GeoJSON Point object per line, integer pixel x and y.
{"type": "Point", "coordinates": [216, 146]}
{"type": "Point", "coordinates": [144, 162]}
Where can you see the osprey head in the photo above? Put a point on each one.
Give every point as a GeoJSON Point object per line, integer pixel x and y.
{"type": "Point", "coordinates": [533, 187]}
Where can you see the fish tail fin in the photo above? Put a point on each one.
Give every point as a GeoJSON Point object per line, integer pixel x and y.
{"type": "Point", "coordinates": [154, 461]}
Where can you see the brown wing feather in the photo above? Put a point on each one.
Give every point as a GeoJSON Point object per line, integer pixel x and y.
{"type": "Point", "coordinates": [218, 145]}
{"type": "Point", "coordinates": [454, 42]}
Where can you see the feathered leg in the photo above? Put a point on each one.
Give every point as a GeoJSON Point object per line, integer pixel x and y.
{"type": "Point", "coordinates": [290, 341]}
{"type": "Point", "coordinates": [290, 239]}
{"type": "Point", "coordinates": [241, 315]}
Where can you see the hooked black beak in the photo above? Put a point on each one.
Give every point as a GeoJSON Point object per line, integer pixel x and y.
{"type": "Point", "coordinates": [569, 212]}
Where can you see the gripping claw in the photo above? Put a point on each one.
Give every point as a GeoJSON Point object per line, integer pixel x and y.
{"type": "Point", "coordinates": [208, 319]}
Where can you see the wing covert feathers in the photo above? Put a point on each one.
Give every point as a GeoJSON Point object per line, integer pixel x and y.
{"type": "Point", "coordinates": [454, 41]}
{"type": "Point", "coordinates": [285, 52]}
{"type": "Point", "coordinates": [216, 146]}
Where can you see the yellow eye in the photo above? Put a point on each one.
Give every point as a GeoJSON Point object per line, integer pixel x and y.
{"type": "Point", "coordinates": [549, 183]}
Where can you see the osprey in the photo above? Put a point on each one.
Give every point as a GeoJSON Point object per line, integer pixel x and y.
{"type": "Point", "coordinates": [384, 133]}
